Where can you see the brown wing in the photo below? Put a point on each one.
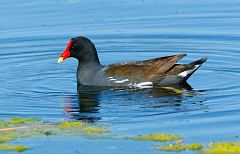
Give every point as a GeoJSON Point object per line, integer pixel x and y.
{"type": "Point", "coordinates": [148, 70]}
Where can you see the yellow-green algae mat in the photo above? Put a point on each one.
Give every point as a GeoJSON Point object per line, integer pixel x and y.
{"type": "Point", "coordinates": [174, 143]}
{"type": "Point", "coordinates": [168, 138]}
{"type": "Point", "coordinates": [14, 128]}
{"type": "Point", "coordinates": [223, 148]}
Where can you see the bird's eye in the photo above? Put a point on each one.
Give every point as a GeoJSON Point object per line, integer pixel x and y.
{"type": "Point", "coordinates": [73, 47]}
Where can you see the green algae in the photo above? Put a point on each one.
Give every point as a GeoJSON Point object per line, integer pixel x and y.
{"type": "Point", "coordinates": [22, 121]}
{"type": "Point", "coordinates": [17, 127]}
{"type": "Point", "coordinates": [71, 125]}
{"type": "Point", "coordinates": [3, 124]}
{"type": "Point", "coordinates": [28, 127]}
{"type": "Point", "coordinates": [179, 147]}
{"type": "Point", "coordinates": [160, 137]}
{"type": "Point", "coordinates": [18, 148]}
{"type": "Point", "coordinates": [164, 137]}
{"type": "Point", "coordinates": [8, 136]}
{"type": "Point", "coordinates": [80, 127]}
{"type": "Point", "coordinates": [17, 121]}
{"type": "Point", "coordinates": [4, 138]}
{"type": "Point", "coordinates": [94, 130]}
{"type": "Point", "coordinates": [222, 148]}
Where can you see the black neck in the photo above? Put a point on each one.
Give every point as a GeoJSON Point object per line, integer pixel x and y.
{"type": "Point", "coordinates": [89, 66]}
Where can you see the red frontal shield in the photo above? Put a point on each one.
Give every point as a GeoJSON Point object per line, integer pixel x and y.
{"type": "Point", "coordinates": [66, 53]}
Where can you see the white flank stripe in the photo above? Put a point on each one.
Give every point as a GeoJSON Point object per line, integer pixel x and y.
{"type": "Point", "coordinates": [130, 84]}
{"type": "Point", "coordinates": [121, 81]}
{"type": "Point", "coordinates": [144, 85]}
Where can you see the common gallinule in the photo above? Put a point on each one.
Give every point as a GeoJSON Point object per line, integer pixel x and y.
{"type": "Point", "coordinates": [154, 72]}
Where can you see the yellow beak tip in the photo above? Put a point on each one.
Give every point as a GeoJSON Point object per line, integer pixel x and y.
{"type": "Point", "coordinates": [60, 60]}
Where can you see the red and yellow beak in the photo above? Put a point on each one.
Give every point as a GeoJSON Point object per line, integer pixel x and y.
{"type": "Point", "coordinates": [66, 53]}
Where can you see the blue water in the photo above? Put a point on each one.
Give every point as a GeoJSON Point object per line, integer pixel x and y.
{"type": "Point", "coordinates": [34, 34]}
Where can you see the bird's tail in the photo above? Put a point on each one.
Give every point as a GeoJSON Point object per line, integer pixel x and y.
{"type": "Point", "coordinates": [192, 67]}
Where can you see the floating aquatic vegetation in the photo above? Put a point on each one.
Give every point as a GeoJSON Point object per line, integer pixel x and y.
{"type": "Point", "coordinates": [80, 127]}
{"type": "Point", "coordinates": [92, 130]}
{"type": "Point", "coordinates": [21, 121]}
{"type": "Point", "coordinates": [17, 121]}
{"type": "Point", "coordinates": [5, 137]}
{"type": "Point", "coordinates": [3, 124]}
{"type": "Point", "coordinates": [18, 148]}
{"type": "Point", "coordinates": [48, 129]}
{"type": "Point", "coordinates": [71, 124]}
{"type": "Point", "coordinates": [179, 147]}
{"type": "Point", "coordinates": [223, 148]}
{"type": "Point", "coordinates": [14, 128]}
{"type": "Point", "coordinates": [160, 137]}
{"type": "Point", "coordinates": [163, 137]}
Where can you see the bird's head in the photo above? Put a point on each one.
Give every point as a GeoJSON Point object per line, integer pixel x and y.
{"type": "Point", "coordinates": [80, 48]}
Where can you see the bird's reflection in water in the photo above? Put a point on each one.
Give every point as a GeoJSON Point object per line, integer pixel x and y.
{"type": "Point", "coordinates": [88, 105]}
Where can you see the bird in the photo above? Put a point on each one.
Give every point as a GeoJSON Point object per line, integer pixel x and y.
{"type": "Point", "coordinates": [161, 71]}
